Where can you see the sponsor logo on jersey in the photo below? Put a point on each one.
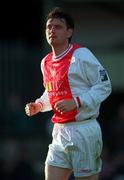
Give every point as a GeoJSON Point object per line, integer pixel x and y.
{"type": "Point", "coordinates": [103, 75]}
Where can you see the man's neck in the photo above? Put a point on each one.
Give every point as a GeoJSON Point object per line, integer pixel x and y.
{"type": "Point", "coordinates": [57, 50]}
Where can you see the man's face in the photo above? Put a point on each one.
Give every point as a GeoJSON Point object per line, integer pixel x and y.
{"type": "Point", "coordinates": [57, 32]}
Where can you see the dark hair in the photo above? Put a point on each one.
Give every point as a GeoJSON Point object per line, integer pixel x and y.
{"type": "Point", "coordinates": [58, 13]}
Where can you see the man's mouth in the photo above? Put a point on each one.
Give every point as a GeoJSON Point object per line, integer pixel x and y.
{"type": "Point", "coordinates": [52, 37]}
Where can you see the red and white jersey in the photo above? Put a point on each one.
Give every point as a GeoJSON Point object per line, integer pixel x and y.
{"type": "Point", "coordinates": [76, 73]}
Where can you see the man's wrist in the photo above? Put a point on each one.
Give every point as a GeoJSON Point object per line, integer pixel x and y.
{"type": "Point", "coordinates": [40, 105]}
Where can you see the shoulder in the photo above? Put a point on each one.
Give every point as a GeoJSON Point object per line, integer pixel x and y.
{"type": "Point", "coordinates": [83, 51]}
{"type": "Point", "coordinates": [49, 55]}
{"type": "Point", "coordinates": [84, 54]}
{"type": "Point", "coordinates": [46, 58]}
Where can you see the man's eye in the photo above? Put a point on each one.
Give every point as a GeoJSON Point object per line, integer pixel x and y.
{"type": "Point", "coordinates": [58, 27]}
{"type": "Point", "coordinates": [48, 27]}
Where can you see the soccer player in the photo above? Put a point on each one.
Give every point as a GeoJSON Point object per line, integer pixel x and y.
{"type": "Point", "coordinates": [75, 85]}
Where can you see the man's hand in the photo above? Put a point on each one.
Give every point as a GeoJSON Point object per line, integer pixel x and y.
{"type": "Point", "coordinates": [32, 108]}
{"type": "Point", "coordinates": [64, 106]}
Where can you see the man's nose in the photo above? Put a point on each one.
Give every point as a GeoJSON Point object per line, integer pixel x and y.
{"type": "Point", "coordinates": [53, 29]}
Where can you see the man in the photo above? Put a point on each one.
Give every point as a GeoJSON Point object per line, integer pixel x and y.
{"type": "Point", "coordinates": [75, 85]}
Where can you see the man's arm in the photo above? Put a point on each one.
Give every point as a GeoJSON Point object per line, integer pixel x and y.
{"type": "Point", "coordinates": [98, 80]}
{"type": "Point", "coordinates": [41, 104]}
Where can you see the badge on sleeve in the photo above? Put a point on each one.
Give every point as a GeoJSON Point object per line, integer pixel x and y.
{"type": "Point", "coordinates": [103, 75]}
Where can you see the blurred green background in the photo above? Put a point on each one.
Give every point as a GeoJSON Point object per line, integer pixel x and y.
{"type": "Point", "coordinates": [99, 25]}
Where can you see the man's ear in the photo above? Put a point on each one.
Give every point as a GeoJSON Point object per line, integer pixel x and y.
{"type": "Point", "coordinates": [70, 32]}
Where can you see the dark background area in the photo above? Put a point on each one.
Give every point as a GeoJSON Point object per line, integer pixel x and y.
{"type": "Point", "coordinates": [21, 19]}
{"type": "Point", "coordinates": [24, 140]}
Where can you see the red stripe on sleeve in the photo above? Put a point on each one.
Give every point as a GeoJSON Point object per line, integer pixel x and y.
{"type": "Point", "coordinates": [78, 100]}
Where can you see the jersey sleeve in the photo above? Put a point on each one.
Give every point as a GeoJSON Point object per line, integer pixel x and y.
{"type": "Point", "coordinates": [44, 100]}
{"type": "Point", "coordinates": [98, 81]}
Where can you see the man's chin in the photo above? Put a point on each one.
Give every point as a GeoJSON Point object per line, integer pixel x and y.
{"type": "Point", "coordinates": [52, 43]}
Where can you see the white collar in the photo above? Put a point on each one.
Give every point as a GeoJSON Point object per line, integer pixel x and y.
{"type": "Point", "coordinates": [60, 56]}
